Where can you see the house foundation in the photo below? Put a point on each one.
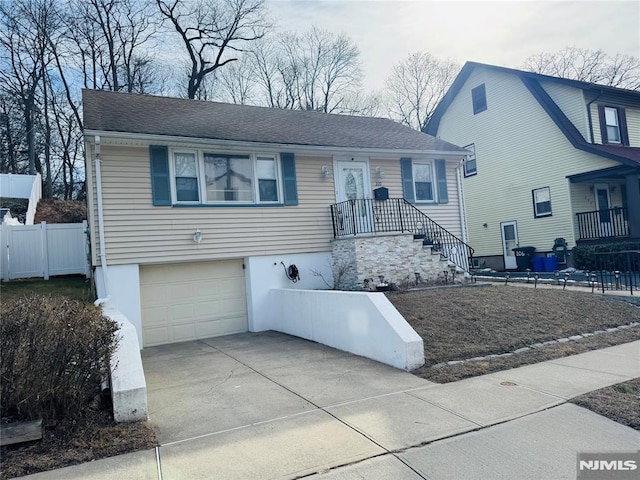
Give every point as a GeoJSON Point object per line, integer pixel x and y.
{"type": "Point", "coordinates": [359, 262]}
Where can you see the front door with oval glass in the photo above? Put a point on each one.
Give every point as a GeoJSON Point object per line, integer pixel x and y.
{"type": "Point", "coordinates": [353, 187]}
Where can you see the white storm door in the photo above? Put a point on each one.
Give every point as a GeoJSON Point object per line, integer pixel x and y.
{"type": "Point", "coordinates": [509, 242]}
{"type": "Point", "coordinates": [603, 203]}
{"type": "Point", "coordinates": [353, 189]}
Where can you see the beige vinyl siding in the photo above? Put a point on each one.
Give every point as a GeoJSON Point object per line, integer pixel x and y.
{"type": "Point", "coordinates": [633, 126]}
{"type": "Point", "coordinates": [138, 232]}
{"type": "Point", "coordinates": [571, 101]}
{"type": "Point", "coordinates": [446, 215]}
{"type": "Point", "coordinates": [518, 149]}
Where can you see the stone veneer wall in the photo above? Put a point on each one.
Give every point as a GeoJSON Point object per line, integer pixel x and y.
{"type": "Point", "coordinates": [396, 257]}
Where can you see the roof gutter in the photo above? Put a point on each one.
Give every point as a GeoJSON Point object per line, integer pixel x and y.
{"type": "Point", "coordinates": [145, 139]}
{"type": "Point", "coordinates": [103, 254]}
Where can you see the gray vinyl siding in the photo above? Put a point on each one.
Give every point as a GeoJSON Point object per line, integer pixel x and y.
{"type": "Point", "coordinates": [138, 232]}
{"type": "Point", "coordinates": [518, 149]}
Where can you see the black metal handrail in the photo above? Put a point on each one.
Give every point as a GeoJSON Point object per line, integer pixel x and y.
{"type": "Point", "coordinates": [617, 270]}
{"type": "Point", "coordinates": [396, 215]}
{"type": "Point", "coordinates": [603, 224]}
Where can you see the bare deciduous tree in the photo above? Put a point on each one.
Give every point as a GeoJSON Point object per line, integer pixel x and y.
{"type": "Point", "coordinates": [416, 86]}
{"type": "Point", "coordinates": [211, 29]}
{"type": "Point", "coordinates": [318, 70]}
{"type": "Point", "coordinates": [595, 66]}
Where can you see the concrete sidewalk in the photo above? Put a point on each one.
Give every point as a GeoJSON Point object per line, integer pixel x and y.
{"type": "Point", "coordinates": [262, 406]}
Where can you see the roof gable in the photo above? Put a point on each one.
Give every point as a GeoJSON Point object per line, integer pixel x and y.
{"type": "Point", "coordinates": [106, 111]}
{"type": "Point", "coordinates": [624, 155]}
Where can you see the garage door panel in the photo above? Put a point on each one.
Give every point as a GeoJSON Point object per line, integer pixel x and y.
{"type": "Point", "coordinates": [214, 328]}
{"type": "Point", "coordinates": [192, 300]}
{"type": "Point", "coordinates": [156, 336]}
{"type": "Point", "coordinates": [209, 309]}
{"type": "Point", "coordinates": [153, 293]}
{"type": "Point", "coordinates": [182, 312]}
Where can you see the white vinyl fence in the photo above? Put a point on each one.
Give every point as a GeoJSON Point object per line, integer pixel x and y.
{"type": "Point", "coordinates": [42, 250]}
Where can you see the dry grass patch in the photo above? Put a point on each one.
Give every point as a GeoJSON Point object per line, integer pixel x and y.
{"type": "Point", "coordinates": [462, 323]}
{"type": "Point", "coordinates": [618, 402]}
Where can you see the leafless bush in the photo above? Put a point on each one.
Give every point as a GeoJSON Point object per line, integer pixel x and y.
{"type": "Point", "coordinates": [53, 354]}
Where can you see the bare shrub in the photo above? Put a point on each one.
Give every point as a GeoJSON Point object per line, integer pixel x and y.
{"type": "Point", "coordinates": [53, 354]}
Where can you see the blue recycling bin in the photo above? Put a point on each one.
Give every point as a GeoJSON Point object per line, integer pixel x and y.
{"type": "Point", "coordinates": [550, 264]}
{"type": "Point", "coordinates": [538, 264]}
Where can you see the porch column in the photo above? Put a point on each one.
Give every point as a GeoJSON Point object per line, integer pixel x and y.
{"type": "Point", "coordinates": [633, 204]}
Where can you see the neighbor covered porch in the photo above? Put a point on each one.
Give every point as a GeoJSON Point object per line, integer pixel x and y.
{"type": "Point", "coordinates": [606, 204]}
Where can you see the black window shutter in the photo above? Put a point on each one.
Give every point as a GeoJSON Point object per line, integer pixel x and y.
{"type": "Point", "coordinates": [603, 124]}
{"type": "Point", "coordinates": [160, 185]}
{"type": "Point", "coordinates": [622, 122]}
{"type": "Point", "coordinates": [441, 176]}
{"type": "Point", "coordinates": [290, 188]}
{"type": "Point", "coordinates": [406, 168]}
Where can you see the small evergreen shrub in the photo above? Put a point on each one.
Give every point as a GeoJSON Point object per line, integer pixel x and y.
{"type": "Point", "coordinates": [54, 352]}
{"type": "Point", "coordinates": [583, 255]}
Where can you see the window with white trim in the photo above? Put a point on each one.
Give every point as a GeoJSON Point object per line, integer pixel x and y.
{"type": "Point", "coordinates": [225, 178]}
{"type": "Point", "coordinates": [612, 124]}
{"type": "Point", "coordinates": [470, 167]}
{"type": "Point", "coordinates": [423, 181]}
{"type": "Point", "coordinates": [541, 202]}
{"type": "Point", "coordinates": [185, 167]}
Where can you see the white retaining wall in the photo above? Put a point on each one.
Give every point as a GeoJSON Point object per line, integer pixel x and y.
{"type": "Point", "coordinates": [362, 323]}
{"type": "Point", "coordinates": [128, 385]}
{"type": "Point", "coordinates": [265, 273]}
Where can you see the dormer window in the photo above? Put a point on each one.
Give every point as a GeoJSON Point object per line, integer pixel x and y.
{"type": "Point", "coordinates": [613, 125]}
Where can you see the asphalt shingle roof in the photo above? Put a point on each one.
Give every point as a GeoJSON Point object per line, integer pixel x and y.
{"type": "Point", "coordinates": [146, 114]}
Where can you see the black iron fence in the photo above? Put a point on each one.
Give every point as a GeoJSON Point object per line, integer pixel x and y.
{"type": "Point", "coordinates": [616, 271]}
{"type": "Point", "coordinates": [608, 223]}
{"type": "Point", "coordinates": [396, 215]}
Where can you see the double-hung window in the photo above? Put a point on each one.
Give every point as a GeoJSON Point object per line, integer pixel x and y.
{"type": "Point", "coordinates": [423, 182]}
{"type": "Point", "coordinates": [541, 202]}
{"type": "Point", "coordinates": [213, 178]}
{"type": "Point", "coordinates": [185, 165]}
{"type": "Point", "coordinates": [613, 125]}
{"type": "Point", "coordinates": [470, 167]}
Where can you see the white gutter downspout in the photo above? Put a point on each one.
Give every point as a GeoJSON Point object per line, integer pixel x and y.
{"type": "Point", "coordinates": [103, 254]}
{"type": "Point", "coordinates": [463, 221]}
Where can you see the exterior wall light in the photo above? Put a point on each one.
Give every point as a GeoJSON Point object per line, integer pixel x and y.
{"type": "Point", "coordinates": [197, 236]}
{"type": "Point", "coordinates": [325, 170]}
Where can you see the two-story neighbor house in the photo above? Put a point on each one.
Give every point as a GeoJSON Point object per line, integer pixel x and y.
{"type": "Point", "coordinates": [553, 159]}
{"type": "Point", "coordinates": [197, 209]}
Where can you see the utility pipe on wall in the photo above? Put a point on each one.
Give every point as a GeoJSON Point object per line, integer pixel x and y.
{"type": "Point", "coordinates": [103, 254]}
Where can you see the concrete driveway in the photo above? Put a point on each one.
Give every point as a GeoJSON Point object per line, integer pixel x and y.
{"type": "Point", "coordinates": [269, 405]}
{"type": "Point", "coordinates": [272, 406]}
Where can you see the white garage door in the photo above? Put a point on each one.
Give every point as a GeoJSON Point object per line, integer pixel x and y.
{"type": "Point", "coordinates": [192, 300]}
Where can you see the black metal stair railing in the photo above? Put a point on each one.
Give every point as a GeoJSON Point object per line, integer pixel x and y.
{"type": "Point", "coordinates": [396, 215]}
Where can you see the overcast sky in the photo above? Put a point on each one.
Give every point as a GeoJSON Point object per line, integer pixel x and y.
{"type": "Point", "coordinates": [499, 33]}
